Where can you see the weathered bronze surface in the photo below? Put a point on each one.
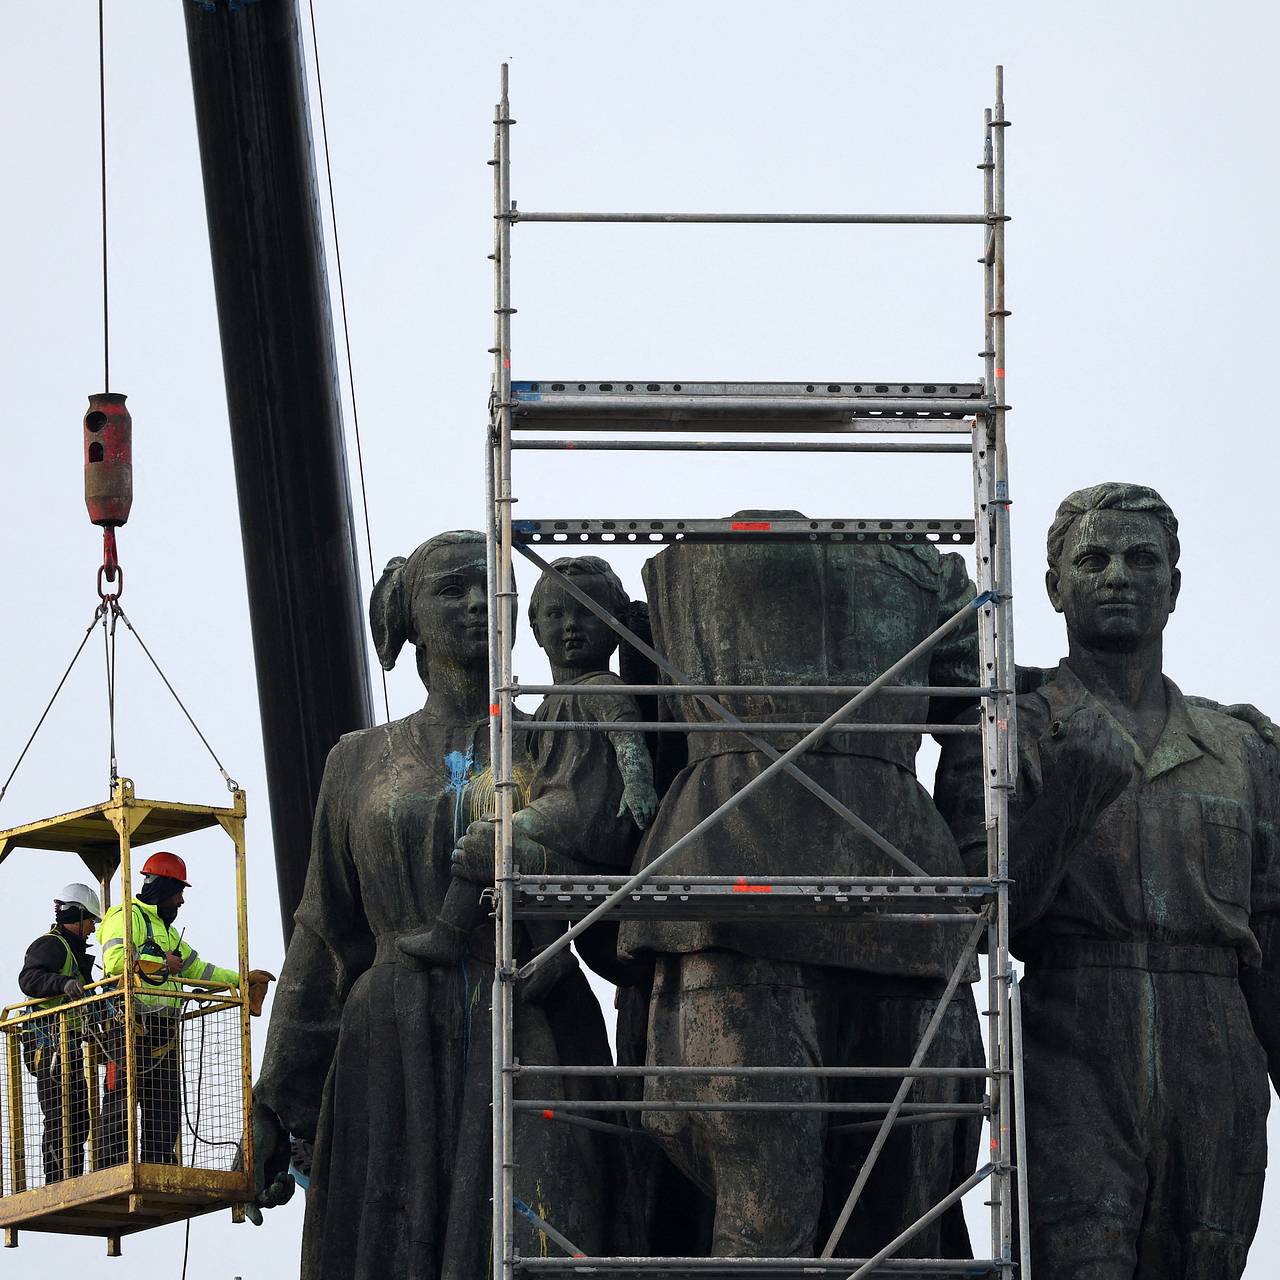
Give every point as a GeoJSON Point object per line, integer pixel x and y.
{"type": "Point", "coordinates": [386, 1062]}
{"type": "Point", "coordinates": [801, 993]}
{"type": "Point", "coordinates": [1146, 898]}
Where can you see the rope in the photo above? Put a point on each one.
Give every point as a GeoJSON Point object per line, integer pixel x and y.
{"type": "Point", "coordinates": [346, 333]}
{"type": "Point", "coordinates": [102, 129]}
{"type": "Point", "coordinates": [232, 785]}
{"type": "Point", "coordinates": [97, 613]}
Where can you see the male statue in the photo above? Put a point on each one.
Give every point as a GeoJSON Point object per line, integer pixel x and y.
{"type": "Point", "coordinates": [1146, 905]}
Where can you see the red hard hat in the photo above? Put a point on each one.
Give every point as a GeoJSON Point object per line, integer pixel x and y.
{"type": "Point", "coordinates": [166, 864]}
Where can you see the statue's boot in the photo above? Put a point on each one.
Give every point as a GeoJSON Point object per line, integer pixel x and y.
{"type": "Point", "coordinates": [441, 944]}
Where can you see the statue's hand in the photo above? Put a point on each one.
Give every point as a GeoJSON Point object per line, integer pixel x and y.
{"type": "Point", "coordinates": [472, 858]}
{"type": "Point", "coordinates": [1086, 759]}
{"type": "Point", "coordinates": [1247, 713]}
{"type": "Point", "coordinates": [642, 800]}
{"type": "Point", "coordinates": [273, 1182]}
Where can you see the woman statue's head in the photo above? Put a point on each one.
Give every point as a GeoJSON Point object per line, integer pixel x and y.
{"type": "Point", "coordinates": [437, 601]}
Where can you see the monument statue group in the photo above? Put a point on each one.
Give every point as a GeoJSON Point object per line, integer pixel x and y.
{"type": "Point", "coordinates": [1146, 910]}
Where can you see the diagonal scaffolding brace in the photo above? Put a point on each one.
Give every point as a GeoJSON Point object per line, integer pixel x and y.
{"type": "Point", "coordinates": [718, 709]}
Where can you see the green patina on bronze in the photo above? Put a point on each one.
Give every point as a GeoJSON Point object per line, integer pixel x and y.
{"type": "Point", "coordinates": [1146, 859]}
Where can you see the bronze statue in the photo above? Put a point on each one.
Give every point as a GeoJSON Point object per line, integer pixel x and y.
{"type": "Point", "coordinates": [856, 991]}
{"type": "Point", "coordinates": [385, 1061]}
{"type": "Point", "coordinates": [1146, 905]}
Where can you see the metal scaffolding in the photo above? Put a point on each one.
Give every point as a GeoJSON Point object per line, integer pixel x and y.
{"type": "Point", "coordinates": [772, 410]}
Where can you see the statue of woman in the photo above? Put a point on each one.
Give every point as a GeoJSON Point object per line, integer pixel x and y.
{"type": "Point", "coordinates": [383, 1061]}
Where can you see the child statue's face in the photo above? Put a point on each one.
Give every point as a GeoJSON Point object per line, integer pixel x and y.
{"type": "Point", "coordinates": [569, 633]}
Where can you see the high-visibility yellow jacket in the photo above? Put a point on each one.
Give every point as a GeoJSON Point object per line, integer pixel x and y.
{"type": "Point", "coordinates": [154, 940]}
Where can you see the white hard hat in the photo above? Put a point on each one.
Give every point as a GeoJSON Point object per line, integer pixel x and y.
{"type": "Point", "coordinates": [81, 896]}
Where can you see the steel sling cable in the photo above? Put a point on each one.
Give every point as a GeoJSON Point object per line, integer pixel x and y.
{"type": "Point", "coordinates": [232, 785]}
{"type": "Point", "coordinates": [346, 332]}
{"type": "Point", "coordinates": [109, 613]}
{"type": "Point", "coordinates": [84, 640]}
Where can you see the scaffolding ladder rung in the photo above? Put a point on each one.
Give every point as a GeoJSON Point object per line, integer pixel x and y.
{"type": "Point", "coordinates": [818, 219]}
{"type": "Point", "coordinates": [518, 690]}
{"type": "Point", "coordinates": [619, 1268]}
{"type": "Point", "coordinates": [742, 726]}
{"type": "Point", "coordinates": [744, 446]}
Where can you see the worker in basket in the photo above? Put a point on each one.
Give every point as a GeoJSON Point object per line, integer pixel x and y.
{"type": "Point", "coordinates": [164, 958]}
{"type": "Point", "coordinates": [54, 971]}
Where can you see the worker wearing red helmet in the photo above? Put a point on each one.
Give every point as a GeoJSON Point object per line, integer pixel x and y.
{"type": "Point", "coordinates": [164, 961]}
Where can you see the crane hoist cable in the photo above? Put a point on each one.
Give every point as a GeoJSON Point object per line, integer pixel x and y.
{"type": "Point", "coordinates": [346, 331]}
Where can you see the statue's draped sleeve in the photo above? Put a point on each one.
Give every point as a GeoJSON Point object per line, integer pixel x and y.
{"type": "Point", "coordinates": [331, 946]}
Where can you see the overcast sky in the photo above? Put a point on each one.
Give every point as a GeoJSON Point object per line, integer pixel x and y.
{"type": "Point", "coordinates": [1142, 277]}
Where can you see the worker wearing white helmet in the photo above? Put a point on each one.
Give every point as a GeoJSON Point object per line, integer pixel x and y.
{"type": "Point", "coordinates": [54, 971]}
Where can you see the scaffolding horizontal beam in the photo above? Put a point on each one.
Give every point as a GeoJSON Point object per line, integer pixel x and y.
{"type": "Point", "coordinates": [812, 219]}
{"type": "Point", "coordinates": [809, 690]}
{"type": "Point", "coordinates": [611, 690]}
{"type": "Point", "coordinates": [657, 531]}
{"type": "Point", "coordinates": [739, 410]}
{"type": "Point", "coordinates": [621, 1268]}
{"type": "Point", "coordinates": [867, 392]}
{"type": "Point", "coordinates": [747, 726]}
{"type": "Point", "coordinates": [565, 1107]}
{"type": "Point", "coordinates": [743, 446]}
{"type": "Point", "coordinates": [702, 1073]}
{"type": "Point", "coordinates": [758, 899]}
{"type": "Point", "coordinates": [679, 423]}
{"type": "Point", "coordinates": [892, 886]}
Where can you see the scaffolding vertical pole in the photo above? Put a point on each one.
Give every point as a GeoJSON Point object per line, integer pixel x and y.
{"type": "Point", "coordinates": [1006, 721]}
{"type": "Point", "coordinates": [492, 437]}
{"type": "Point", "coordinates": [123, 819]}
{"type": "Point", "coordinates": [995, 650]}
{"type": "Point", "coordinates": [504, 597]}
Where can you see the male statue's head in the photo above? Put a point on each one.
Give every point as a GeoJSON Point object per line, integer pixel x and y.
{"type": "Point", "coordinates": [572, 637]}
{"type": "Point", "coordinates": [437, 601]}
{"type": "Point", "coordinates": [1113, 566]}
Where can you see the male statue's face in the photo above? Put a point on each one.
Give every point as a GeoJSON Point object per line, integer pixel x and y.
{"type": "Point", "coordinates": [569, 633]}
{"type": "Point", "coordinates": [1114, 582]}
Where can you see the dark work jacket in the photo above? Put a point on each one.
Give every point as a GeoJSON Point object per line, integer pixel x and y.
{"type": "Point", "coordinates": [41, 976]}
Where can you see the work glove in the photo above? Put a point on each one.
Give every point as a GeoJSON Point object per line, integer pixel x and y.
{"type": "Point", "coordinates": [73, 989]}
{"type": "Point", "coordinates": [259, 980]}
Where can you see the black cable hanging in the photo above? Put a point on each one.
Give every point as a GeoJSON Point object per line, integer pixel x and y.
{"type": "Point", "coordinates": [102, 132]}
{"type": "Point", "coordinates": [346, 333]}
{"type": "Point", "coordinates": [232, 784]}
